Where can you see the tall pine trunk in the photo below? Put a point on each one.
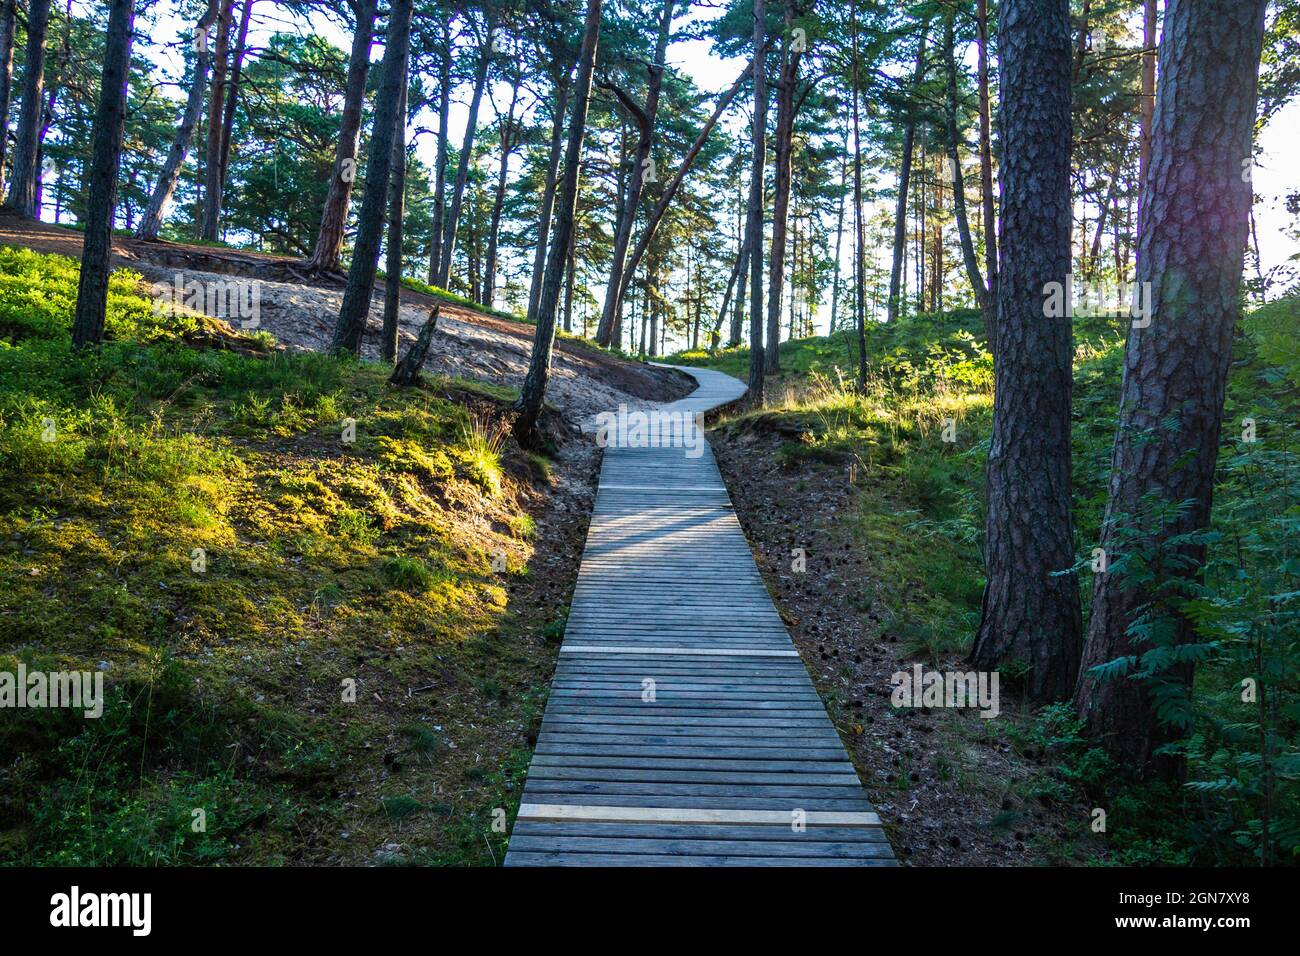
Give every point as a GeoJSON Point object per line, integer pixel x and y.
{"type": "Point", "coordinates": [8, 26]}
{"type": "Point", "coordinates": [216, 112]}
{"type": "Point", "coordinates": [152, 219]}
{"type": "Point", "coordinates": [859, 225]}
{"type": "Point", "coordinates": [533, 392]}
{"type": "Point", "coordinates": [509, 138]}
{"type": "Point", "coordinates": [987, 200]}
{"type": "Point", "coordinates": [737, 270]}
{"type": "Point", "coordinates": [1031, 604]}
{"type": "Point", "coordinates": [351, 324]}
{"type": "Point", "coordinates": [232, 97]}
{"type": "Point", "coordinates": [1195, 215]}
{"type": "Point", "coordinates": [26, 161]}
{"type": "Point", "coordinates": [334, 216]}
{"type": "Point", "coordinates": [969, 259]}
{"type": "Point", "coordinates": [839, 235]}
{"type": "Point", "coordinates": [611, 313]}
{"type": "Point", "coordinates": [754, 222]}
{"type": "Point", "coordinates": [1148, 95]}
{"type": "Point", "coordinates": [548, 191]}
{"type": "Point", "coordinates": [448, 247]}
{"type": "Point", "coordinates": [904, 182]}
{"type": "Point", "coordinates": [105, 154]}
{"type": "Point", "coordinates": [396, 207]}
{"type": "Point", "coordinates": [440, 161]}
{"type": "Point", "coordinates": [785, 110]}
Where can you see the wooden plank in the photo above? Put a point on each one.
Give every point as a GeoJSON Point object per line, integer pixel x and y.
{"type": "Point", "coordinates": [736, 745]}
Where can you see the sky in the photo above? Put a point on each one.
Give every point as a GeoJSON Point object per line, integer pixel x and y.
{"type": "Point", "coordinates": [1276, 173]}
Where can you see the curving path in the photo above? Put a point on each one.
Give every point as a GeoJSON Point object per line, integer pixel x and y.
{"type": "Point", "coordinates": [682, 728]}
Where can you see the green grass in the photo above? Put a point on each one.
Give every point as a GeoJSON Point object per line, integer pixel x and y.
{"type": "Point", "coordinates": [205, 523]}
{"type": "Point", "coordinates": [415, 285]}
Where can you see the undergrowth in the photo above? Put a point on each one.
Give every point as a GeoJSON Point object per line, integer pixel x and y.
{"type": "Point", "coordinates": [273, 560]}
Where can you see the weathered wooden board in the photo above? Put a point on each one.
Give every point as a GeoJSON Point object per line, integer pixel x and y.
{"type": "Point", "coordinates": [682, 727]}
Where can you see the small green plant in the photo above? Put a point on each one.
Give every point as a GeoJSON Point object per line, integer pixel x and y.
{"type": "Point", "coordinates": [481, 442]}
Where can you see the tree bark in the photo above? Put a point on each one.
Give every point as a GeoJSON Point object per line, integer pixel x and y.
{"type": "Point", "coordinates": [670, 189]}
{"type": "Point", "coordinates": [152, 219]}
{"type": "Point", "coordinates": [396, 207]}
{"type": "Point", "coordinates": [954, 162]}
{"type": "Point", "coordinates": [462, 167]}
{"type": "Point", "coordinates": [839, 235]}
{"type": "Point", "coordinates": [509, 138]}
{"type": "Point", "coordinates": [26, 160]}
{"type": "Point", "coordinates": [232, 98]}
{"type": "Point", "coordinates": [611, 312]}
{"type": "Point", "coordinates": [351, 324]}
{"type": "Point", "coordinates": [904, 183]}
{"type": "Point", "coordinates": [1148, 95]}
{"type": "Point", "coordinates": [785, 116]}
{"type": "Point", "coordinates": [334, 216]}
{"type": "Point", "coordinates": [736, 271]}
{"type": "Point", "coordinates": [533, 392]}
{"type": "Point", "coordinates": [216, 113]}
{"type": "Point", "coordinates": [1191, 244]}
{"type": "Point", "coordinates": [987, 200]}
{"type": "Point", "coordinates": [105, 154]}
{"type": "Point", "coordinates": [548, 193]}
{"type": "Point", "coordinates": [8, 25]}
{"type": "Point", "coordinates": [571, 267]}
{"type": "Point", "coordinates": [407, 372]}
{"type": "Point", "coordinates": [754, 223]}
{"type": "Point", "coordinates": [738, 309]}
{"type": "Point", "coordinates": [440, 173]}
{"type": "Point", "coordinates": [1031, 609]}
{"type": "Point", "coordinates": [859, 235]}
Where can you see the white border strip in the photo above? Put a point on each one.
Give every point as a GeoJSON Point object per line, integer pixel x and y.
{"type": "Point", "coordinates": [703, 651]}
{"type": "Point", "coordinates": [569, 813]}
{"type": "Point", "coordinates": [661, 487]}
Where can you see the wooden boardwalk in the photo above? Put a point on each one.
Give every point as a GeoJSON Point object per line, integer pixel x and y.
{"type": "Point", "coordinates": [682, 728]}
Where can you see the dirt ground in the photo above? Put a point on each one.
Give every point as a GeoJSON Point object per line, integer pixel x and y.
{"type": "Point", "coordinates": [950, 791]}
{"type": "Point", "coordinates": [299, 311]}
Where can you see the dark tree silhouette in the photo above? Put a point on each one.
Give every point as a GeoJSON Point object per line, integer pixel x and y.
{"type": "Point", "coordinates": [533, 393]}
{"type": "Point", "coordinates": [754, 215]}
{"type": "Point", "coordinates": [334, 216]}
{"type": "Point", "coordinates": [904, 181]}
{"type": "Point", "coordinates": [396, 209]}
{"type": "Point", "coordinates": [105, 153]}
{"type": "Point", "coordinates": [786, 108]}
{"type": "Point", "coordinates": [554, 151]}
{"type": "Point", "coordinates": [610, 327]}
{"type": "Point", "coordinates": [26, 171]}
{"type": "Point", "coordinates": [152, 219]}
{"type": "Point", "coordinates": [351, 324]}
{"type": "Point", "coordinates": [8, 25]}
{"type": "Point", "coordinates": [448, 244]}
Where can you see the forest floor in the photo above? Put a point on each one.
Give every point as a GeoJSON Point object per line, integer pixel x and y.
{"type": "Point", "coordinates": [353, 669]}
{"type": "Point", "coordinates": [883, 489]}
{"type": "Point", "coordinates": [951, 790]}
